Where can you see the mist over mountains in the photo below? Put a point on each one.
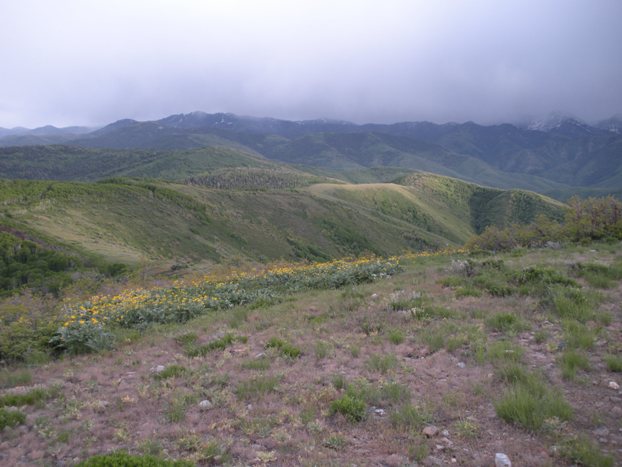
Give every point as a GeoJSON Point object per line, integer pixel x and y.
{"type": "Point", "coordinates": [559, 155]}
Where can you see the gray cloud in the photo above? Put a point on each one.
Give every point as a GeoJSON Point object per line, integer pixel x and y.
{"type": "Point", "coordinates": [76, 62]}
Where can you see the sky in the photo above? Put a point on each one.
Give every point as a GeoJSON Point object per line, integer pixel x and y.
{"type": "Point", "coordinates": [89, 62]}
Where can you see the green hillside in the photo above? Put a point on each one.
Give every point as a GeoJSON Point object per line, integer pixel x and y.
{"type": "Point", "coordinates": [135, 222]}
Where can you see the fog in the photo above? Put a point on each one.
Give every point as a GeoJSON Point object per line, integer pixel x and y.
{"type": "Point", "coordinates": [90, 63]}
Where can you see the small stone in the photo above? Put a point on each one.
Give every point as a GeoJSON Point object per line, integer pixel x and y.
{"type": "Point", "coordinates": [158, 369]}
{"type": "Point", "coordinates": [461, 365]}
{"type": "Point", "coordinates": [430, 431]}
{"type": "Point", "coordinates": [205, 404]}
{"type": "Point", "coordinates": [454, 460]}
{"type": "Point", "coordinates": [260, 355]}
{"type": "Point", "coordinates": [374, 296]}
{"type": "Point", "coordinates": [380, 412]}
{"type": "Point", "coordinates": [614, 385]}
{"type": "Point", "coordinates": [617, 411]}
{"type": "Point", "coordinates": [502, 460]}
{"type": "Point", "coordinates": [601, 431]}
{"type": "Point", "coordinates": [445, 433]}
{"type": "Point", "coordinates": [448, 443]}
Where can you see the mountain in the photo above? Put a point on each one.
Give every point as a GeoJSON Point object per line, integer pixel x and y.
{"type": "Point", "coordinates": [43, 135]}
{"type": "Point", "coordinates": [559, 155]}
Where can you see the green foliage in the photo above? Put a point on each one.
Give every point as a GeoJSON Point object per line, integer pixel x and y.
{"type": "Point", "coordinates": [25, 331]}
{"type": "Point", "coordinates": [24, 263]}
{"type": "Point", "coordinates": [32, 397]}
{"type": "Point", "coordinates": [352, 408]}
{"type": "Point", "coordinates": [382, 363]}
{"type": "Point", "coordinates": [599, 275]}
{"type": "Point", "coordinates": [285, 348]}
{"type": "Point", "coordinates": [409, 417]}
{"type": "Point", "coordinates": [396, 336]}
{"type": "Point", "coordinates": [504, 351]}
{"type": "Point", "coordinates": [123, 459]}
{"type": "Point", "coordinates": [12, 378]}
{"type": "Point", "coordinates": [614, 363]}
{"type": "Point", "coordinates": [586, 220]}
{"type": "Point", "coordinates": [571, 361]}
{"type": "Point", "coordinates": [507, 323]}
{"type": "Point", "coordinates": [258, 364]}
{"type": "Point", "coordinates": [582, 451]}
{"type": "Point", "coordinates": [171, 371]}
{"type": "Point", "coordinates": [221, 343]}
{"type": "Point", "coordinates": [11, 418]}
{"type": "Point", "coordinates": [529, 401]}
{"type": "Point", "coordinates": [577, 335]}
{"type": "Point", "coordinates": [79, 338]}
{"type": "Point", "coordinates": [572, 303]}
{"type": "Point", "coordinates": [256, 387]}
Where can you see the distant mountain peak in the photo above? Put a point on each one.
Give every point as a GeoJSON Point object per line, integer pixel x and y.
{"type": "Point", "coordinates": [554, 121]}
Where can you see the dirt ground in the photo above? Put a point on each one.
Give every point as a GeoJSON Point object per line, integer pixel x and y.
{"type": "Point", "coordinates": [106, 402]}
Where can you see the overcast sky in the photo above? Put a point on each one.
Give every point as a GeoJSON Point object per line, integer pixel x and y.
{"type": "Point", "coordinates": [92, 62]}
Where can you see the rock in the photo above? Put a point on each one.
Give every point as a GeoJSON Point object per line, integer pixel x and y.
{"type": "Point", "coordinates": [158, 369]}
{"type": "Point", "coordinates": [447, 442]}
{"type": "Point", "coordinates": [205, 404]}
{"type": "Point", "coordinates": [380, 412]}
{"type": "Point", "coordinates": [461, 365]}
{"type": "Point", "coordinates": [553, 245]}
{"type": "Point", "coordinates": [601, 431]}
{"type": "Point", "coordinates": [445, 433]}
{"type": "Point", "coordinates": [430, 431]}
{"type": "Point", "coordinates": [617, 411]}
{"type": "Point", "coordinates": [260, 355]}
{"type": "Point", "coordinates": [613, 385]}
{"type": "Point", "coordinates": [374, 296]}
{"type": "Point", "coordinates": [502, 460]}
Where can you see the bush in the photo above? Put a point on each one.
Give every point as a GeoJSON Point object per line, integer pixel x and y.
{"type": "Point", "coordinates": [528, 401]}
{"type": "Point", "coordinates": [11, 418]}
{"type": "Point", "coordinates": [354, 409]}
{"type": "Point", "coordinates": [285, 348]}
{"type": "Point", "coordinates": [571, 361]}
{"type": "Point", "coordinates": [123, 459]}
{"type": "Point", "coordinates": [614, 363]}
{"type": "Point", "coordinates": [506, 323]}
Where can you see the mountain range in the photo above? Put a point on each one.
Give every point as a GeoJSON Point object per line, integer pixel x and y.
{"type": "Point", "coordinates": [559, 156]}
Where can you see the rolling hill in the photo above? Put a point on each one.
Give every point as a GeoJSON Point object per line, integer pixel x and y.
{"type": "Point", "coordinates": [136, 222]}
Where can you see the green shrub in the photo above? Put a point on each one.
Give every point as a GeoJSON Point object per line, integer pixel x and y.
{"type": "Point", "coordinates": [258, 364]}
{"type": "Point", "coordinates": [582, 451]}
{"type": "Point", "coordinates": [123, 459]}
{"type": "Point", "coordinates": [171, 371]}
{"type": "Point", "coordinates": [528, 401]}
{"type": "Point", "coordinates": [354, 409]}
{"type": "Point", "coordinates": [504, 352]}
{"type": "Point", "coordinates": [11, 418]}
{"type": "Point", "coordinates": [382, 363]}
{"type": "Point", "coordinates": [221, 343]}
{"type": "Point", "coordinates": [256, 387]}
{"type": "Point", "coordinates": [506, 323]}
{"type": "Point", "coordinates": [577, 335]}
{"type": "Point", "coordinates": [409, 417]}
{"type": "Point", "coordinates": [614, 363]}
{"type": "Point", "coordinates": [32, 397]}
{"type": "Point", "coordinates": [571, 361]}
{"type": "Point", "coordinates": [396, 336]}
{"type": "Point", "coordinates": [285, 348]}
{"type": "Point", "coordinates": [9, 379]}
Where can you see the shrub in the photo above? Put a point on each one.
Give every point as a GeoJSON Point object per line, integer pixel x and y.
{"type": "Point", "coordinates": [506, 323]}
{"type": "Point", "coordinates": [409, 417]}
{"type": "Point", "coordinates": [285, 348]}
{"type": "Point", "coordinates": [396, 336]}
{"type": "Point", "coordinates": [354, 409]}
{"type": "Point", "coordinates": [172, 371]}
{"type": "Point", "coordinates": [11, 418]}
{"type": "Point", "coordinates": [582, 451]}
{"type": "Point", "coordinates": [256, 387]}
{"type": "Point", "coordinates": [221, 343]}
{"type": "Point", "coordinates": [123, 459]}
{"type": "Point", "coordinates": [32, 397]}
{"type": "Point", "coordinates": [614, 363]}
{"type": "Point", "coordinates": [528, 401]}
{"type": "Point", "coordinates": [382, 363]}
{"type": "Point", "coordinates": [571, 361]}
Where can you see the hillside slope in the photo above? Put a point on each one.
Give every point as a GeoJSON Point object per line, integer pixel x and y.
{"type": "Point", "coordinates": [135, 222]}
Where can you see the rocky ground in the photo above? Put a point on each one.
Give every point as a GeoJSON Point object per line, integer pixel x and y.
{"type": "Point", "coordinates": [404, 371]}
